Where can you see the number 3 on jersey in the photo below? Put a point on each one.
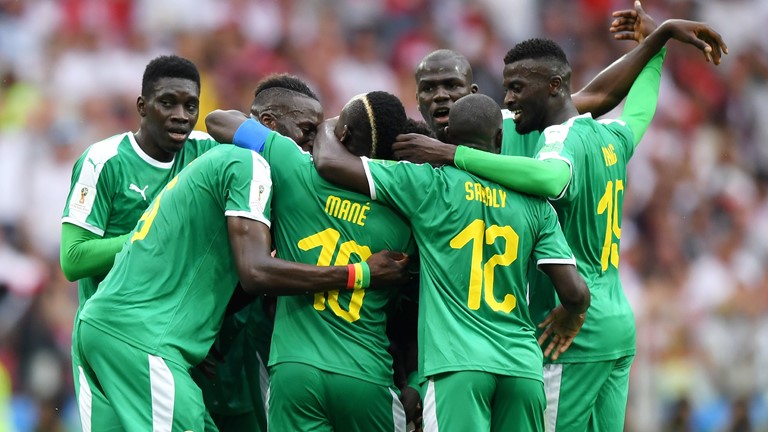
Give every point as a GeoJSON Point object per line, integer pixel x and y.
{"type": "Point", "coordinates": [327, 240]}
{"type": "Point", "coordinates": [482, 274]}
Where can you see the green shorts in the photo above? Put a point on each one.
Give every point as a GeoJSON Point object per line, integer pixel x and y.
{"type": "Point", "coordinates": [106, 422]}
{"type": "Point", "coordinates": [482, 401]}
{"type": "Point", "coordinates": [304, 398]}
{"type": "Point", "coordinates": [146, 392]}
{"type": "Point", "coordinates": [587, 396]}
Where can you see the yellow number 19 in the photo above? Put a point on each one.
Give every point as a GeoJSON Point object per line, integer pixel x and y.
{"type": "Point", "coordinates": [327, 240]}
{"type": "Point", "coordinates": [609, 204]}
{"type": "Point", "coordinates": [482, 274]}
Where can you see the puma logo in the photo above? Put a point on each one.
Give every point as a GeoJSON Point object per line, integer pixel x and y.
{"type": "Point", "coordinates": [95, 165]}
{"type": "Point", "coordinates": [135, 188]}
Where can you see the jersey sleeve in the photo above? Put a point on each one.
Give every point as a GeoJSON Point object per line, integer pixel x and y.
{"type": "Point", "coordinates": [89, 203]}
{"type": "Point", "coordinates": [202, 142]}
{"type": "Point", "coordinates": [551, 246]}
{"type": "Point", "coordinates": [249, 187]}
{"type": "Point", "coordinates": [402, 185]}
{"type": "Point", "coordinates": [282, 153]}
{"type": "Point", "coordinates": [555, 144]}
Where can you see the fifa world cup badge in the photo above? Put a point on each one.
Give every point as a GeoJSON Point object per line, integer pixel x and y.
{"type": "Point", "coordinates": [83, 193]}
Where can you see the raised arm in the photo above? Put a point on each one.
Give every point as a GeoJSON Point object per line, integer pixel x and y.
{"type": "Point", "coordinates": [260, 273]}
{"type": "Point", "coordinates": [85, 254]}
{"type": "Point", "coordinates": [335, 163]}
{"type": "Point", "coordinates": [609, 87]}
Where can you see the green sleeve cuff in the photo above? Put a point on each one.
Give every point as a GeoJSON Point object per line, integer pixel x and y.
{"type": "Point", "coordinates": [85, 254]}
{"type": "Point", "coordinates": [643, 97]}
{"type": "Point", "coordinates": [546, 178]}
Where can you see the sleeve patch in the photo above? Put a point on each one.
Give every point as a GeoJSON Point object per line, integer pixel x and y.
{"type": "Point", "coordinates": [81, 202]}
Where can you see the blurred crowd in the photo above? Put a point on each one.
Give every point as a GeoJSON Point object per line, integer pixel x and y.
{"type": "Point", "coordinates": [695, 224]}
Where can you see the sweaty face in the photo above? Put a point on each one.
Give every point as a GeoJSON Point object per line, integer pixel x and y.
{"type": "Point", "coordinates": [299, 122]}
{"type": "Point", "coordinates": [440, 83]}
{"type": "Point", "coordinates": [526, 94]}
{"type": "Point", "coordinates": [169, 113]}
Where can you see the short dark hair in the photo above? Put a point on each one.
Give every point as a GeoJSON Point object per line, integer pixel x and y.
{"type": "Point", "coordinates": [418, 127]}
{"type": "Point", "coordinates": [475, 116]}
{"type": "Point", "coordinates": [382, 116]}
{"type": "Point", "coordinates": [283, 82]}
{"type": "Point", "coordinates": [536, 48]}
{"type": "Point", "coordinates": [168, 66]}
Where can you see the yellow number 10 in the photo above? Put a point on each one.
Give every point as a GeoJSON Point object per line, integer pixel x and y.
{"type": "Point", "coordinates": [609, 204]}
{"type": "Point", "coordinates": [476, 233]}
{"type": "Point", "coordinates": [327, 240]}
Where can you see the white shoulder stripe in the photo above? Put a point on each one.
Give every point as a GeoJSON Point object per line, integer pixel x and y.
{"type": "Point", "coordinates": [96, 156]}
{"type": "Point", "coordinates": [200, 135]}
{"type": "Point", "coordinates": [506, 114]}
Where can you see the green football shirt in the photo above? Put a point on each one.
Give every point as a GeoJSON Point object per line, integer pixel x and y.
{"type": "Point", "coordinates": [476, 240]}
{"type": "Point", "coordinates": [114, 181]}
{"type": "Point", "coordinates": [590, 212]}
{"type": "Point", "coordinates": [341, 331]}
{"type": "Point", "coordinates": [171, 283]}
{"type": "Point", "coordinates": [514, 144]}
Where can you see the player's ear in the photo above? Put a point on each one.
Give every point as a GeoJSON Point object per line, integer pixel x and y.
{"type": "Point", "coordinates": [555, 84]}
{"type": "Point", "coordinates": [497, 141]}
{"type": "Point", "coordinates": [346, 134]}
{"type": "Point", "coordinates": [141, 106]}
{"type": "Point", "coordinates": [474, 88]}
{"type": "Point", "coordinates": [268, 120]}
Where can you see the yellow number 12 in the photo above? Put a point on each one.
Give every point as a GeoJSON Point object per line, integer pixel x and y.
{"type": "Point", "coordinates": [476, 233]}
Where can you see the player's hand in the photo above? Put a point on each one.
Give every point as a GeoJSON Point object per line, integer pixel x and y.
{"type": "Point", "coordinates": [388, 268]}
{"type": "Point", "coordinates": [562, 326]}
{"type": "Point", "coordinates": [209, 363]}
{"type": "Point", "coordinates": [419, 148]}
{"type": "Point", "coordinates": [699, 35]}
{"type": "Point", "coordinates": [632, 24]}
{"type": "Point", "coordinates": [411, 401]}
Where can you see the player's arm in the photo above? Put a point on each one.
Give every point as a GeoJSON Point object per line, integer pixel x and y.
{"type": "Point", "coordinates": [260, 273]}
{"type": "Point", "coordinates": [609, 87]}
{"type": "Point", "coordinates": [565, 321]}
{"type": "Point", "coordinates": [86, 254]}
{"type": "Point", "coordinates": [335, 163]}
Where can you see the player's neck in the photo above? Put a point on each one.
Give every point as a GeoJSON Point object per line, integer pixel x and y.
{"type": "Point", "coordinates": [151, 149]}
{"type": "Point", "coordinates": [560, 114]}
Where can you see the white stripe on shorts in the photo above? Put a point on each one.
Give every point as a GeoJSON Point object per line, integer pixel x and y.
{"type": "Point", "coordinates": [163, 392]}
{"type": "Point", "coordinates": [264, 386]}
{"type": "Point", "coordinates": [398, 412]}
{"type": "Point", "coordinates": [84, 400]}
{"type": "Point", "coordinates": [430, 408]}
{"type": "Point", "coordinates": [553, 375]}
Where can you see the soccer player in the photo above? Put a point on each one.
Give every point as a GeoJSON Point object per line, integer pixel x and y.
{"type": "Point", "coordinates": [114, 181]}
{"type": "Point", "coordinates": [580, 165]}
{"type": "Point", "coordinates": [477, 344]}
{"type": "Point", "coordinates": [157, 312]}
{"type": "Point", "coordinates": [330, 349]}
{"type": "Point", "coordinates": [236, 393]}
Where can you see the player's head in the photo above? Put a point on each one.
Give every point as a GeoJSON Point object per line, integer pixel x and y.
{"type": "Point", "coordinates": [475, 121]}
{"type": "Point", "coordinates": [370, 122]}
{"type": "Point", "coordinates": [286, 104]}
{"type": "Point", "coordinates": [442, 77]}
{"type": "Point", "coordinates": [169, 103]}
{"type": "Point", "coordinates": [537, 77]}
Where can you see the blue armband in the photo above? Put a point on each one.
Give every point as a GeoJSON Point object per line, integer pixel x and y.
{"type": "Point", "coordinates": [251, 135]}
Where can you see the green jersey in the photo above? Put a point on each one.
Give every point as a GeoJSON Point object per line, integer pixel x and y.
{"type": "Point", "coordinates": [514, 144]}
{"type": "Point", "coordinates": [114, 181]}
{"type": "Point", "coordinates": [476, 240]}
{"type": "Point", "coordinates": [590, 211]}
{"type": "Point", "coordinates": [341, 331]}
{"type": "Point", "coordinates": [171, 283]}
